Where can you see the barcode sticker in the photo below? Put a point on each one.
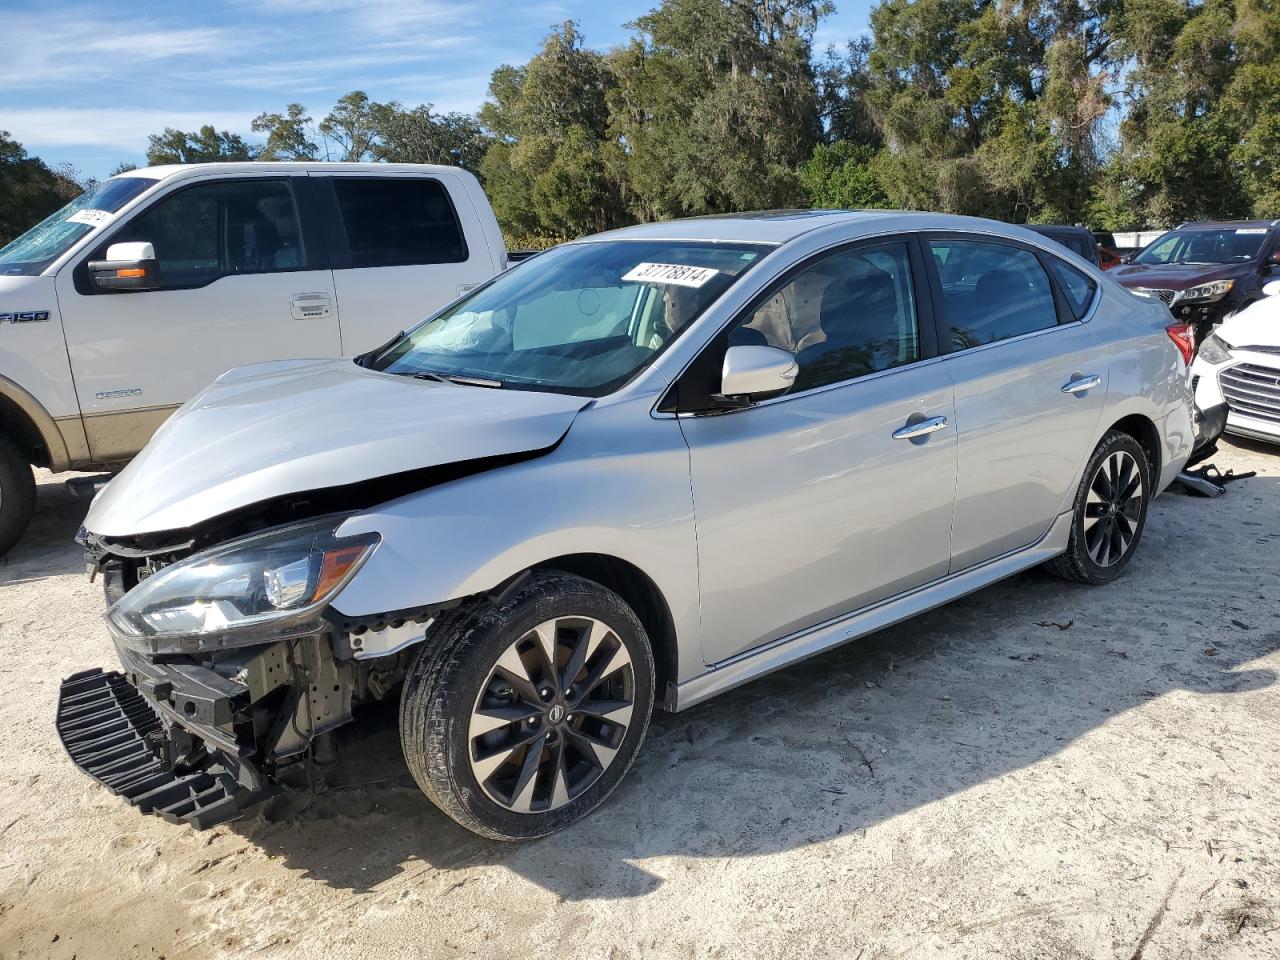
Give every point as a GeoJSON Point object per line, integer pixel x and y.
{"type": "Point", "coordinates": [677, 274]}
{"type": "Point", "coordinates": [1252, 230]}
{"type": "Point", "coordinates": [90, 216]}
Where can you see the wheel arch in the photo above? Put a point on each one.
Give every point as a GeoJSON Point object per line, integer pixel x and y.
{"type": "Point", "coordinates": [639, 591]}
{"type": "Point", "coordinates": [1143, 429]}
{"type": "Point", "coordinates": [28, 424]}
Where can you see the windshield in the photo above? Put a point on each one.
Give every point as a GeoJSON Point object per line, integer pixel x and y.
{"type": "Point", "coordinates": [34, 250]}
{"type": "Point", "coordinates": [1238, 245]}
{"type": "Point", "coordinates": [581, 318]}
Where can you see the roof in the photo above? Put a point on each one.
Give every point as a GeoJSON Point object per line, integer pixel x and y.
{"type": "Point", "coordinates": [275, 166]}
{"type": "Point", "coordinates": [1227, 224]}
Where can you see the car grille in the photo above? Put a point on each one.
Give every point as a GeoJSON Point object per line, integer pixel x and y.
{"type": "Point", "coordinates": [1164, 295]}
{"type": "Point", "coordinates": [1252, 391]}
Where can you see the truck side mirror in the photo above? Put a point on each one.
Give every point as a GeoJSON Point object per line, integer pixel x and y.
{"type": "Point", "coordinates": [128, 266]}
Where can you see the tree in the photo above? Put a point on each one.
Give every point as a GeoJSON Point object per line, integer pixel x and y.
{"type": "Point", "coordinates": [29, 190]}
{"type": "Point", "coordinates": [289, 134]}
{"type": "Point", "coordinates": [205, 145]}
{"type": "Point", "coordinates": [421, 135]}
{"type": "Point", "coordinates": [841, 176]}
{"type": "Point", "coordinates": [352, 126]}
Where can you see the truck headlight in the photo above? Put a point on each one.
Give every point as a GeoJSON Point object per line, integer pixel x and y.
{"type": "Point", "coordinates": [264, 587]}
{"type": "Point", "coordinates": [1205, 292]}
{"type": "Point", "coordinates": [1215, 350]}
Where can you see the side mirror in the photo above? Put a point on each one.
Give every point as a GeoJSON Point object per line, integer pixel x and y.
{"type": "Point", "coordinates": [129, 266]}
{"type": "Point", "coordinates": [752, 372]}
{"type": "Point", "coordinates": [1271, 288]}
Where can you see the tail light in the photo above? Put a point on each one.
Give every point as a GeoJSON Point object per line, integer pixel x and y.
{"type": "Point", "coordinates": [1183, 336]}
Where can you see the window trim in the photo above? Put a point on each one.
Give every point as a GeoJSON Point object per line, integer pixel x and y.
{"type": "Point", "coordinates": [340, 243]}
{"type": "Point", "coordinates": [84, 286]}
{"type": "Point", "coordinates": [669, 404]}
{"type": "Point", "coordinates": [1062, 308]}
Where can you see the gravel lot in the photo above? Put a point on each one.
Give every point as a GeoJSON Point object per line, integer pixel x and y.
{"type": "Point", "coordinates": [1037, 771]}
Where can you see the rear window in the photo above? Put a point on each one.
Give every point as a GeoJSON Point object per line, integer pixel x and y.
{"type": "Point", "coordinates": [399, 222]}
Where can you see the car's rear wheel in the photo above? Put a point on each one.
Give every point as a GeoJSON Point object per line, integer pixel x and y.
{"type": "Point", "coordinates": [521, 716]}
{"type": "Point", "coordinates": [1110, 512]}
{"type": "Point", "coordinates": [17, 495]}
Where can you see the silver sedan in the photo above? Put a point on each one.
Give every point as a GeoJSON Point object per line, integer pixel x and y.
{"type": "Point", "coordinates": [635, 471]}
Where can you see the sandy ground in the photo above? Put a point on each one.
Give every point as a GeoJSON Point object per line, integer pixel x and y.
{"type": "Point", "coordinates": [1038, 771]}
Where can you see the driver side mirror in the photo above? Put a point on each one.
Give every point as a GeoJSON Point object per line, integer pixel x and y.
{"type": "Point", "coordinates": [1271, 288]}
{"type": "Point", "coordinates": [128, 266]}
{"type": "Point", "coordinates": [755, 372]}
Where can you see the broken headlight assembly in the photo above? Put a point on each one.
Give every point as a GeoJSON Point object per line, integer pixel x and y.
{"type": "Point", "coordinates": [266, 587]}
{"type": "Point", "coordinates": [1215, 350]}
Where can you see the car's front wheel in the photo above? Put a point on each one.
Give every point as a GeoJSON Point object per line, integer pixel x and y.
{"type": "Point", "coordinates": [17, 495]}
{"type": "Point", "coordinates": [520, 716]}
{"type": "Point", "coordinates": [1110, 512]}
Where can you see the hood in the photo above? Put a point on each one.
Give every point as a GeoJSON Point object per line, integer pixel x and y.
{"type": "Point", "coordinates": [1176, 276]}
{"type": "Point", "coordinates": [1258, 325]}
{"type": "Point", "coordinates": [27, 293]}
{"type": "Point", "coordinates": [300, 425]}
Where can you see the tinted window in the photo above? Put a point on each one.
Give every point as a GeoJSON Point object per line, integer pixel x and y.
{"type": "Point", "coordinates": [1078, 287]}
{"type": "Point", "coordinates": [399, 222]}
{"type": "Point", "coordinates": [992, 291]}
{"type": "Point", "coordinates": [847, 315]}
{"type": "Point", "coordinates": [215, 229]}
{"type": "Point", "coordinates": [1228, 245]}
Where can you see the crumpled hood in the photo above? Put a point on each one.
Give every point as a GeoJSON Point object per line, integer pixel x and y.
{"type": "Point", "coordinates": [297, 425]}
{"type": "Point", "coordinates": [1175, 276]}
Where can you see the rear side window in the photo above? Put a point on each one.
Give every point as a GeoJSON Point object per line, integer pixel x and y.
{"type": "Point", "coordinates": [1078, 287]}
{"type": "Point", "coordinates": [992, 291]}
{"type": "Point", "coordinates": [399, 222]}
{"type": "Point", "coordinates": [219, 229]}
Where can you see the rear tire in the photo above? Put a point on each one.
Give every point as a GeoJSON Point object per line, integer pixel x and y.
{"type": "Point", "coordinates": [17, 494]}
{"type": "Point", "coordinates": [1110, 512]}
{"type": "Point", "coordinates": [519, 717]}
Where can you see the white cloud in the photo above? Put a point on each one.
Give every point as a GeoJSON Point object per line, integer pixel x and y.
{"type": "Point", "coordinates": [124, 129]}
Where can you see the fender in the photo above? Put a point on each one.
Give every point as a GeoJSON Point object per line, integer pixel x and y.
{"type": "Point", "coordinates": [45, 425]}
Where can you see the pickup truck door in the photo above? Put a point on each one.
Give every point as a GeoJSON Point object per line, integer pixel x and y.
{"type": "Point", "coordinates": [243, 278]}
{"type": "Point", "coordinates": [403, 245]}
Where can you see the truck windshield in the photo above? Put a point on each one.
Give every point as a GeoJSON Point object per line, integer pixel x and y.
{"type": "Point", "coordinates": [1229, 245]}
{"type": "Point", "coordinates": [581, 319]}
{"type": "Point", "coordinates": [34, 250]}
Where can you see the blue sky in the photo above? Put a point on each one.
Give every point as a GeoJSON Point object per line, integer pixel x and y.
{"type": "Point", "coordinates": [86, 83]}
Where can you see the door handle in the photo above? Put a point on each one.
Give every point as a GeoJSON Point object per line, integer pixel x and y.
{"type": "Point", "coordinates": [923, 428]}
{"type": "Point", "coordinates": [1082, 384]}
{"type": "Point", "coordinates": [309, 306]}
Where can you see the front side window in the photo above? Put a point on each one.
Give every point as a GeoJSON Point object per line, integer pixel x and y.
{"type": "Point", "coordinates": [399, 222]}
{"type": "Point", "coordinates": [583, 318]}
{"type": "Point", "coordinates": [218, 229]}
{"type": "Point", "coordinates": [1229, 245]}
{"type": "Point", "coordinates": [847, 315]}
{"type": "Point", "coordinates": [29, 254]}
{"type": "Point", "coordinates": [992, 291]}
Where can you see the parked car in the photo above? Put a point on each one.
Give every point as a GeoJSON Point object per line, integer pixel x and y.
{"type": "Point", "coordinates": [124, 303]}
{"type": "Point", "coordinates": [1239, 364]}
{"type": "Point", "coordinates": [1076, 239]}
{"type": "Point", "coordinates": [1205, 272]}
{"type": "Point", "coordinates": [642, 468]}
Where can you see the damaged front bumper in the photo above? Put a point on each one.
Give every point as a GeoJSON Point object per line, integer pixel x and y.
{"type": "Point", "coordinates": [198, 740]}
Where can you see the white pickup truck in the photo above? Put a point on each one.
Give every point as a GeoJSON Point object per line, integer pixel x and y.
{"type": "Point", "coordinates": [123, 304]}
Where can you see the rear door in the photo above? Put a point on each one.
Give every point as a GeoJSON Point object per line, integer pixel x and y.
{"type": "Point", "coordinates": [1030, 379]}
{"type": "Point", "coordinates": [241, 281]}
{"type": "Point", "coordinates": [403, 245]}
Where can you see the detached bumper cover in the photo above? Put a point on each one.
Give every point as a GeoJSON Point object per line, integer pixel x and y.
{"type": "Point", "coordinates": [121, 739]}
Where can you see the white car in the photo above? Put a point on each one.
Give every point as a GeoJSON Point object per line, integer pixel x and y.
{"type": "Point", "coordinates": [123, 304]}
{"type": "Point", "coordinates": [1239, 364]}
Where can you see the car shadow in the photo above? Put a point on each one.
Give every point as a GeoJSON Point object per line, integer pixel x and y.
{"type": "Point", "coordinates": [43, 550]}
{"type": "Point", "coordinates": [990, 684]}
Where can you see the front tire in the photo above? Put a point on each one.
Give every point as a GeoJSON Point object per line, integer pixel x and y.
{"type": "Point", "coordinates": [17, 494]}
{"type": "Point", "coordinates": [520, 716]}
{"type": "Point", "coordinates": [1110, 512]}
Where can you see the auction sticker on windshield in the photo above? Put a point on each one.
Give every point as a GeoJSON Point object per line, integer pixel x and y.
{"type": "Point", "coordinates": [90, 216]}
{"type": "Point", "coordinates": [674, 273]}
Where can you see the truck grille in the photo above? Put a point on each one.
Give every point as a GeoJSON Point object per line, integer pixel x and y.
{"type": "Point", "coordinates": [1252, 391]}
{"type": "Point", "coordinates": [1165, 295]}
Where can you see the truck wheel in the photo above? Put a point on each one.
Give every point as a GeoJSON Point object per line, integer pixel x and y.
{"type": "Point", "coordinates": [17, 494]}
{"type": "Point", "coordinates": [1110, 512]}
{"type": "Point", "coordinates": [521, 716]}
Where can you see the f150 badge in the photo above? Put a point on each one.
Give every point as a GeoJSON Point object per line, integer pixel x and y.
{"type": "Point", "coordinates": [24, 316]}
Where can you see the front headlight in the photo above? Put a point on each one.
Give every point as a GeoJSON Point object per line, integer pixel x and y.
{"type": "Point", "coordinates": [1205, 292]}
{"type": "Point", "coordinates": [265, 587]}
{"type": "Point", "coordinates": [1215, 350]}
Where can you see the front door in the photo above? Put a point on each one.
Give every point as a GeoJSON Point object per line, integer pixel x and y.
{"type": "Point", "coordinates": [1031, 383]}
{"type": "Point", "coordinates": [839, 494]}
{"type": "Point", "coordinates": [237, 285]}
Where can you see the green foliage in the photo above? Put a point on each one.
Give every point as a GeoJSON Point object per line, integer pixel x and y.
{"type": "Point", "coordinates": [29, 190]}
{"type": "Point", "coordinates": [841, 176]}
{"type": "Point", "coordinates": [289, 134]}
{"type": "Point", "coordinates": [205, 145]}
